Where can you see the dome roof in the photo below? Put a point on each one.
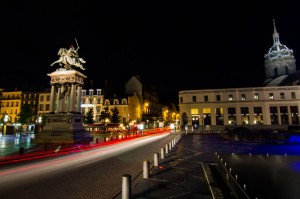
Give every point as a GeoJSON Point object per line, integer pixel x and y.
{"type": "Point", "coordinates": [278, 50]}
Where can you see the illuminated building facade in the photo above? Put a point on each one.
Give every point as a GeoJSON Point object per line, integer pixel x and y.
{"type": "Point", "coordinates": [274, 105]}
{"type": "Point", "coordinates": [151, 109]}
{"type": "Point", "coordinates": [11, 104]}
{"type": "Point", "coordinates": [92, 100]}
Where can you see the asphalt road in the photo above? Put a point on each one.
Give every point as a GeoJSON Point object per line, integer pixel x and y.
{"type": "Point", "coordinates": [89, 174]}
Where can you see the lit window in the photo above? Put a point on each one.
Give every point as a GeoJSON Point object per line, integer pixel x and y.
{"type": "Point", "coordinates": [194, 111]}
{"type": "Point", "coordinates": [271, 96]}
{"type": "Point", "coordinates": [230, 97]}
{"type": "Point", "coordinates": [243, 98]}
{"type": "Point", "coordinates": [256, 97]}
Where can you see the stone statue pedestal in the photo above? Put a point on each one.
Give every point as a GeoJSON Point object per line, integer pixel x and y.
{"type": "Point", "coordinates": [64, 122]}
{"type": "Point", "coordinates": [63, 128]}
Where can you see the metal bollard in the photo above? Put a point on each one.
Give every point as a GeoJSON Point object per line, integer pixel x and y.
{"type": "Point", "coordinates": [162, 153]}
{"type": "Point", "coordinates": [156, 159]}
{"type": "Point", "coordinates": [126, 186]}
{"type": "Point", "coordinates": [167, 149]}
{"type": "Point", "coordinates": [146, 168]}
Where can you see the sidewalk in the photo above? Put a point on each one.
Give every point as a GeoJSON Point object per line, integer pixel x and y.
{"type": "Point", "coordinates": [185, 172]}
{"type": "Point", "coordinates": [10, 144]}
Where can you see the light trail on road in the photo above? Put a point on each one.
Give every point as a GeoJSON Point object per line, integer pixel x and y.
{"type": "Point", "coordinates": [77, 159]}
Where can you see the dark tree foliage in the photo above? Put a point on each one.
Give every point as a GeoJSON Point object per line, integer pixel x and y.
{"type": "Point", "coordinates": [115, 118]}
{"type": "Point", "coordinates": [26, 114]}
{"type": "Point", "coordinates": [89, 117]}
{"type": "Point", "coordinates": [105, 114]}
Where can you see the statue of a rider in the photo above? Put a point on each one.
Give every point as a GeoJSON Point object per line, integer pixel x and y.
{"type": "Point", "coordinates": [69, 57]}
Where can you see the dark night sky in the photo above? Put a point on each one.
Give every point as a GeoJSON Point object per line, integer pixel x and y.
{"type": "Point", "coordinates": [174, 47]}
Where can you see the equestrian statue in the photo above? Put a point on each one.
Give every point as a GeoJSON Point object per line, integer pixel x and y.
{"type": "Point", "coordinates": [69, 57]}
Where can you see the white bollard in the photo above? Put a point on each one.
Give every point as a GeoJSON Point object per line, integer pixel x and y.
{"type": "Point", "coordinates": [167, 149]}
{"type": "Point", "coordinates": [146, 168]}
{"type": "Point", "coordinates": [162, 153]}
{"type": "Point", "coordinates": [170, 146]}
{"type": "Point", "coordinates": [156, 159]}
{"type": "Point", "coordinates": [126, 186]}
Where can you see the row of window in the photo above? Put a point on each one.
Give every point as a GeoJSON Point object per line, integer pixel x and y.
{"type": "Point", "coordinates": [243, 97]}
{"type": "Point", "coordinates": [42, 98]}
{"type": "Point", "coordinates": [10, 97]}
{"type": "Point", "coordinates": [91, 92]}
{"type": "Point", "coordinates": [16, 104]}
{"type": "Point", "coordinates": [276, 113]}
{"type": "Point", "coordinates": [106, 103]}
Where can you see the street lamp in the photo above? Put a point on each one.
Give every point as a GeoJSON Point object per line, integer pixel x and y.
{"type": "Point", "coordinates": [5, 120]}
{"type": "Point", "coordinates": [202, 118]}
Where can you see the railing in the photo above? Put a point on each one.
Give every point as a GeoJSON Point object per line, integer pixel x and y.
{"type": "Point", "coordinates": [239, 191]}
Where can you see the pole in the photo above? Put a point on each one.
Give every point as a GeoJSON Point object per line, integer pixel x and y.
{"type": "Point", "coordinates": [146, 169]}
{"type": "Point", "coordinates": [156, 157]}
{"type": "Point", "coordinates": [126, 186]}
{"type": "Point", "coordinates": [162, 153]}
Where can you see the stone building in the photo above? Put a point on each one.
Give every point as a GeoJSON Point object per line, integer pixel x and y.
{"type": "Point", "coordinates": [275, 104]}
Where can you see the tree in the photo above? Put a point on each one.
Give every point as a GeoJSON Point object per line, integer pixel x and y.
{"type": "Point", "coordinates": [89, 117]}
{"type": "Point", "coordinates": [115, 118]}
{"type": "Point", "coordinates": [105, 114]}
{"type": "Point", "coordinates": [26, 114]}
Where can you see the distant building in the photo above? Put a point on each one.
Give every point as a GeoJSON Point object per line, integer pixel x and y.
{"type": "Point", "coordinates": [151, 109]}
{"type": "Point", "coordinates": [11, 104]}
{"type": "Point", "coordinates": [280, 64]}
{"type": "Point", "coordinates": [32, 99]}
{"type": "Point", "coordinates": [273, 105]}
{"type": "Point", "coordinates": [92, 100]}
{"type": "Point", "coordinates": [43, 104]}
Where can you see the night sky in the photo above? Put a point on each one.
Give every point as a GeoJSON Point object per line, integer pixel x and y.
{"type": "Point", "coordinates": [173, 47]}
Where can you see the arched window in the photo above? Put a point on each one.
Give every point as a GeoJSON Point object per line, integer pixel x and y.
{"type": "Point", "coordinates": [286, 70]}
{"type": "Point", "coordinates": [275, 71]}
{"type": "Point", "coordinates": [107, 102]}
{"type": "Point", "coordinates": [116, 102]}
{"type": "Point", "coordinates": [124, 101]}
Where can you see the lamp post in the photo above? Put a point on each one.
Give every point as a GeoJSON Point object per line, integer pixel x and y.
{"type": "Point", "coordinates": [5, 120]}
{"type": "Point", "coordinates": [146, 112]}
{"type": "Point", "coordinates": [202, 118]}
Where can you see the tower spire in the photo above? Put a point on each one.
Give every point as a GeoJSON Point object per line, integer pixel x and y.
{"type": "Point", "coordinates": [275, 34]}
